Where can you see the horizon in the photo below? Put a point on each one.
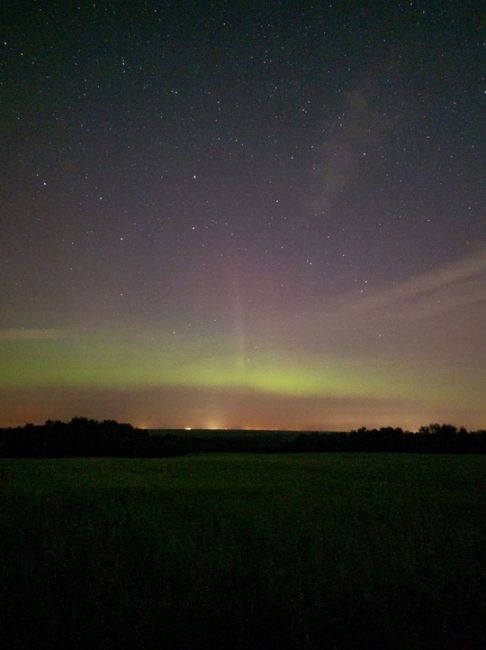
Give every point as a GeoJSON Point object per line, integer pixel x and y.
{"type": "Point", "coordinates": [188, 430]}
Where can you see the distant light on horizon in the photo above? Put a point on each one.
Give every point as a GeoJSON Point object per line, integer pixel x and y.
{"type": "Point", "coordinates": [214, 426]}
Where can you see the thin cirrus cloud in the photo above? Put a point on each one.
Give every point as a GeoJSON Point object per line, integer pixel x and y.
{"type": "Point", "coordinates": [449, 288]}
{"type": "Point", "coordinates": [457, 284]}
{"type": "Point", "coordinates": [355, 126]}
{"type": "Point", "coordinates": [21, 334]}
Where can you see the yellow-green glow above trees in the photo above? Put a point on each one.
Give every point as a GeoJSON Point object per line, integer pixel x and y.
{"type": "Point", "coordinates": [403, 354]}
{"type": "Point", "coordinates": [154, 361]}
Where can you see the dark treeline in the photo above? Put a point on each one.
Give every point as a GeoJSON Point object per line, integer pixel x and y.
{"type": "Point", "coordinates": [433, 438]}
{"type": "Point", "coordinates": [430, 439]}
{"type": "Point", "coordinates": [85, 437]}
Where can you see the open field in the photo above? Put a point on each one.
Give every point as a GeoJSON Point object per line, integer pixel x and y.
{"type": "Point", "coordinates": [244, 551]}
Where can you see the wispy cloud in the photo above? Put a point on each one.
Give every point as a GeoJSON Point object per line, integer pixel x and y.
{"type": "Point", "coordinates": [22, 334]}
{"type": "Point", "coordinates": [346, 136]}
{"type": "Point", "coordinates": [454, 285]}
{"type": "Point", "coordinates": [447, 291]}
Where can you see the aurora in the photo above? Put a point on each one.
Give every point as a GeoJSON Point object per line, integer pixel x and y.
{"type": "Point", "coordinates": [272, 222]}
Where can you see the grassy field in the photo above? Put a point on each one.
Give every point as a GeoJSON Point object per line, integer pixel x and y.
{"type": "Point", "coordinates": [244, 551]}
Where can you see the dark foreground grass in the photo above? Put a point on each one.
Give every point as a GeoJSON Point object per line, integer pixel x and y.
{"type": "Point", "coordinates": [244, 551]}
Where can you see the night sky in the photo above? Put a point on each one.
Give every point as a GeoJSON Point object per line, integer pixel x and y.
{"type": "Point", "coordinates": [266, 216]}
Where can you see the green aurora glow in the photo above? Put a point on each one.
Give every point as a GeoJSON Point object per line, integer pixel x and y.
{"type": "Point", "coordinates": [123, 362]}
